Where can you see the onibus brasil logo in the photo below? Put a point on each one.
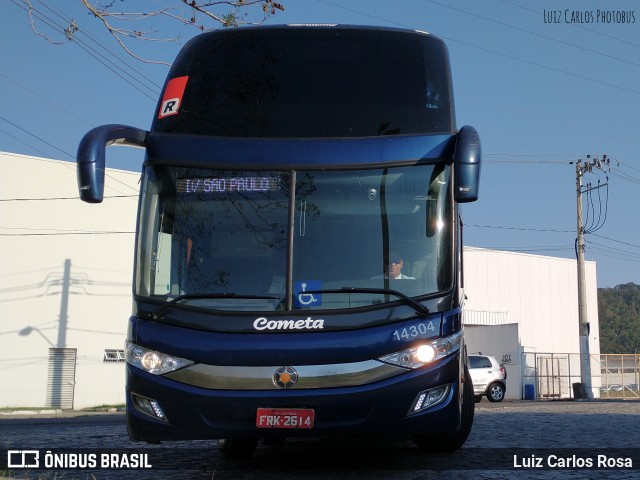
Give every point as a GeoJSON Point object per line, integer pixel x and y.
{"type": "Point", "coordinates": [72, 460]}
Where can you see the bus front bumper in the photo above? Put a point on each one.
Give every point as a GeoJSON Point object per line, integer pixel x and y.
{"type": "Point", "coordinates": [161, 409]}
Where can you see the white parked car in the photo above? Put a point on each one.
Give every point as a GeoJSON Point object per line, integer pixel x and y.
{"type": "Point", "coordinates": [489, 378]}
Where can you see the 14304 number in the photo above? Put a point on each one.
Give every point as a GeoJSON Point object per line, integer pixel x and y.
{"type": "Point", "coordinates": [418, 330]}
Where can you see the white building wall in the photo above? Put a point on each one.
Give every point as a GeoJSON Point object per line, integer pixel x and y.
{"type": "Point", "coordinates": [539, 293]}
{"type": "Point", "coordinates": [43, 225]}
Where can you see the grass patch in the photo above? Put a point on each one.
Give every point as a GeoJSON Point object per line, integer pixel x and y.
{"type": "Point", "coordinates": [105, 408]}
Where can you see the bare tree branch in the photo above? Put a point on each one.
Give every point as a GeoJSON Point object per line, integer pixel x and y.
{"type": "Point", "coordinates": [118, 33]}
{"type": "Point", "coordinates": [126, 26]}
{"type": "Point", "coordinates": [33, 26]}
{"type": "Point", "coordinates": [269, 8]}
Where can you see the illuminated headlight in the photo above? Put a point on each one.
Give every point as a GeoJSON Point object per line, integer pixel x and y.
{"type": "Point", "coordinates": [151, 361]}
{"type": "Point", "coordinates": [425, 353]}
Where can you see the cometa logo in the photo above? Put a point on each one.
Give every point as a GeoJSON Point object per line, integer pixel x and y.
{"type": "Point", "coordinates": [303, 324]}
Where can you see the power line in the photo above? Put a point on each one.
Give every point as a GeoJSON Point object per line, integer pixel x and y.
{"type": "Point", "coordinates": [58, 198]}
{"type": "Point", "coordinates": [55, 26]}
{"type": "Point", "coordinates": [42, 98]}
{"type": "Point", "coordinates": [604, 252]}
{"type": "Point", "coordinates": [531, 162]}
{"type": "Point", "coordinates": [622, 164]}
{"type": "Point", "coordinates": [522, 229]}
{"type": "Point", "coordinates": [614, 250]}
{"type": "Point", "coordinates": [533, 158]}
{"type": "Point", "coordinates": [37, 137]}
{"type": "Point", "coordinates": [85, 32]}
{"type": "Point", "coordinates": [69, 155]}
{"type": "Point", "coordinates": [547, 67]}
{"type": "Point", "coordinates": [22, 142]}
{"type": "Point", "coordinates": [594, 225]}
{"type": "Point", "coordinates": [625, 176]}
{"type": "Point", "coordinates": [494, 52]}
{"type": "Point", "coordinates": [614, 170]}
{"type": "Point", "coordinates": [92, 52]}
{"type": "Point", "coordinates": [572, 155]}
{"type": "Point", "coordinates": [541, 248]}
{"type": "Point", "coordinates": [54, 234]}
{"type": "Point", "coordinates": [517, 159]}
{"type": "Point", "coordinates": [57, 231]}
{"type": "Point", "coordinates": [616, 241]}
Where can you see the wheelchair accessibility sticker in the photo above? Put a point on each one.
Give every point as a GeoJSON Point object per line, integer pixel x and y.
{"type": "Point", "coordinates": [304, 299]}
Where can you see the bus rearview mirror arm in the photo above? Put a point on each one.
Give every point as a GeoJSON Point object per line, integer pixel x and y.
{"type": "Point", "coordinates": [91, 156]}
{"type": "Point", "coordinates": [467, 160]}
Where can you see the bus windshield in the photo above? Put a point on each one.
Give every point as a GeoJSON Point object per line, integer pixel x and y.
{"type": "Point", "coordinates": [322, 82]}
{"type": "Point", "coordinates": [226, 237]}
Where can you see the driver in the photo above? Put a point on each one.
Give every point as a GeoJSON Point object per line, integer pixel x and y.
{"type": "Point", "coordinates": [392, 268]}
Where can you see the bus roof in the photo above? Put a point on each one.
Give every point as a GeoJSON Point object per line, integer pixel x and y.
{"type": "Point", "coordinates": [308, 81]}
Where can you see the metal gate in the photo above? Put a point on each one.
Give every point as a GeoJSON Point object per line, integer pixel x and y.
{"type": "Point", "coordinates": [550, 375]}
{"type": "Point", "coordinates": [62, 378]}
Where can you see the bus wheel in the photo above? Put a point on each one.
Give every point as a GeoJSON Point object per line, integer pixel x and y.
{"type": "Point", "coordinates": [452, 441]}
{"type": "Point", "coordinates": [237, 448]}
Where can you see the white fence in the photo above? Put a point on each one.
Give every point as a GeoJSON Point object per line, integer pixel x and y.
{"type": "Point", "coordinates": [552, 375]}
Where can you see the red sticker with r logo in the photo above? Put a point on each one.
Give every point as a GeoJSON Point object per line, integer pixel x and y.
{"type": "Point", "coordinates": [172, 97]}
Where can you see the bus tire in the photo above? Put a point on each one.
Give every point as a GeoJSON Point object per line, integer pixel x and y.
{"type": "Point", "coordinates": [237, 448]}
{"type": "Point", "coordinates": [452, 441]}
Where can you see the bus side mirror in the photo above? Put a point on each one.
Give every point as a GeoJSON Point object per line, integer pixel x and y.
{"type": "Point", "coordinates": [91, 156]}
{"type": "Point", "coordinates": [467, 159]}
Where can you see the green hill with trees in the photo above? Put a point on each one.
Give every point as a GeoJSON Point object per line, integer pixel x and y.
{"type": "Point", "coordinates": [619, 318]}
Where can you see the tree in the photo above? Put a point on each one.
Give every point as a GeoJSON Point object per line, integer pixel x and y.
{"type": "Point", "coordinates": [132, 20]}
{"type": "Point", "coordinates": [619, 318]}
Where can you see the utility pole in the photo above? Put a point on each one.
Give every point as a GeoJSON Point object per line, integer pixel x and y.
{"type": "Point", "coordinates": [583, 317]}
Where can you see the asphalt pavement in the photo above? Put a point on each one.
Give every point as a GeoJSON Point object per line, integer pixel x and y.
{"type": "Point", "coordinates": [511, 439]}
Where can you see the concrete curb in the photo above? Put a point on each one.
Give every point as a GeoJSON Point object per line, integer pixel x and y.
{"type": "Point", "coordinates": [44, 411]}
{"type": "Point", "coordinates": [37, 412]}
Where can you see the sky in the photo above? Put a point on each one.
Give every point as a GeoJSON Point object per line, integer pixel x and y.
{"type": "Point", "coordinates": [545, 83]}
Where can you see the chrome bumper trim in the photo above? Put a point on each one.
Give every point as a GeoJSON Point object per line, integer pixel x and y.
{"type": "Point", "coordinates": [261, 378]}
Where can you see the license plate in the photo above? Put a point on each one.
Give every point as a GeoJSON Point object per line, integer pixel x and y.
{"type": "Point", "coordinates": [285, 418]}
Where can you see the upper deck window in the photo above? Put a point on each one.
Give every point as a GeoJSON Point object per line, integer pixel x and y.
{"type": "Point", "coordinates": [312, 82]}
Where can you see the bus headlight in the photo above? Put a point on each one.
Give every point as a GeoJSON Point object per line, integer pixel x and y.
{"type": "Point", "coordinates": [424, 353]}
{"type": "Point", "coordinates": [429, 398]}
{"type": "Point", "coordinates": [148, 406]}
{"type": "Point", "coordinates": [152, 361]}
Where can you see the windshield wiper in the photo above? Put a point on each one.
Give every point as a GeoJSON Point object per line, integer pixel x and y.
{"type": "Point", "coordinates": [173, 303]}
{"type": "Point", "coordinates": [418, 307]}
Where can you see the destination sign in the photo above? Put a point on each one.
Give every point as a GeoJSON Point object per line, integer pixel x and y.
{"type": "Point", "coordinates": [228, 184]}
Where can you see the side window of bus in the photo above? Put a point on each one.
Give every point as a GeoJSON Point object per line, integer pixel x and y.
{"type": "Point", "coordinates": [162, 264]}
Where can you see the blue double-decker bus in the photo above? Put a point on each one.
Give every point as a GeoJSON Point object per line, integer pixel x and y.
{"type": "Point", "coordinates": [298, 262]}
